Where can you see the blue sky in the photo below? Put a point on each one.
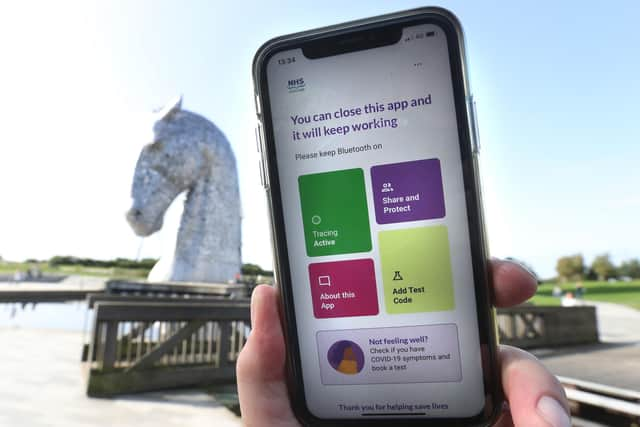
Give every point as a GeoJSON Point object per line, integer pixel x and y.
{"type": "Point", "coordinates": [557, 88]}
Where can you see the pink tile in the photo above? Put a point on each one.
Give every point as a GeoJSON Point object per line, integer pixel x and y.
{"type": "Point", "coordinates": [343, 288]}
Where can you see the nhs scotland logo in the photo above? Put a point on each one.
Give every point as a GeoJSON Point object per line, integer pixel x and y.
{"type": "Point", "coordinates": [296, 85]}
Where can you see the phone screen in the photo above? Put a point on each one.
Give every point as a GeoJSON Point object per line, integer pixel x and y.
{"type": "Point", "coordinates": [373, 199]}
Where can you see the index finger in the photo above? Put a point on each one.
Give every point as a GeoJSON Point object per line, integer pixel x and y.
{"type": "Point", "coordinates": [512, 283]}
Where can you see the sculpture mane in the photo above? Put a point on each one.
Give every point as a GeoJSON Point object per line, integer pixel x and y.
{"type": "Point", "coordinates": [189, 153]}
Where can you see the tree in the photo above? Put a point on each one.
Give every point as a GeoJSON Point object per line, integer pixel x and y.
{"type": "Point", "coordinates": [630, 268]}
{"type": "Point", "coordinates": [251, 269]}
{"type": "Point", "coordinates": [144, 264]}
{"type": "Point", "coordinates": [570, 267]}
{"type": "Point", "coordinates": [603, 267]}
{"type": "Point", "coordinates": [254, 270]}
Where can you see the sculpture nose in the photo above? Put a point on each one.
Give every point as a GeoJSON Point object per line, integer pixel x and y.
{"type": "Point", "coordinates": [134, 215]}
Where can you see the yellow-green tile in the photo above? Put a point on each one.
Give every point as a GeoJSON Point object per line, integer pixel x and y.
{"type": "Point", "coordinates": [416, 270]}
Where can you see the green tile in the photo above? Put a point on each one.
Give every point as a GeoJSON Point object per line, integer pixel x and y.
{"type": "Point", "coordinates": [334, 212]}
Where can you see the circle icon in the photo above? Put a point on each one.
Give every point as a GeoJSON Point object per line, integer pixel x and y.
{"type": "Point", "coordinates": [346, 357]}
{"type": "Point", "coordinates": [316, 219]}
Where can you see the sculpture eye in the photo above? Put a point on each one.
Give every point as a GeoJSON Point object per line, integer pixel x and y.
{"type": "Point", "coordinates": [157, 145]}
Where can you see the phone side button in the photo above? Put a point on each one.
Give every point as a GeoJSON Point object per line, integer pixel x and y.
{"type": "Point", "coordinates": [476, 131]}
{"type": "Point", "coordinates": [261, 173]}
{"type": "Point", "coordinates": [260, 136]}
{"type": "Point", "coordinates": [257, 133]}
{"type": "Point", "coordinates": [265, 174]}
{"type": "Point", "coordinates": [256, 99]}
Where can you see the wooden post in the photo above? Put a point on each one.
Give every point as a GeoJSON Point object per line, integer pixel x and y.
{"type": "Point", "coordinates": [225, 343]}
{"type": "Point", "coordinates": [110, 345]}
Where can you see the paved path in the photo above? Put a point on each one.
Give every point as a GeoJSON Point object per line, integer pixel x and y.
{"type": "Point", "coordinates": [41, 384]}
{"type": "Point", "coordinates": [617, 323]}
{"type": "Point", "coordinates": [615, 361]}
{"type": "Point", "coordinates": [616, 365]}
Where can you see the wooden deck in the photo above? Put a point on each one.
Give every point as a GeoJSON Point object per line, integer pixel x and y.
{"type": "Point", "coordinates": [50, 289]}
{"type": "Point", "coordinates": [78, 288]}
{"type": "Point", "coordinates": [41, 293]}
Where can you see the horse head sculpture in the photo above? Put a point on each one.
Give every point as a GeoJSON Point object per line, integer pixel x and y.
{"type": "Point", "coordinates": [189, 153]}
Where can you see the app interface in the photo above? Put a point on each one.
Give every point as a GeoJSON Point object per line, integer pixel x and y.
{"type": "Point", "coordinates": [376, 225]}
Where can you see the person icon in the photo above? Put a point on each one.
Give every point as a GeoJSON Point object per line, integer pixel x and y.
{"type": "Point", "coordinates": [346, 357]}
{"type": "Point", "coordinates": [348, 365]}
{"type": "Point", "coordinates": [387, 188]}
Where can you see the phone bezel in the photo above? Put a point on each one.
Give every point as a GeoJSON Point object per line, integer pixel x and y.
{"type": "Point", "coordinates": [486, 322]}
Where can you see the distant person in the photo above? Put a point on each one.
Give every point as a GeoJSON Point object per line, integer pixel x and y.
{"type": "Point", "coordinates": [568, 300]}
{"type": "Point", "coordinates": [580, 290]}
{"type": "Point", "coordinates": [557, 291]}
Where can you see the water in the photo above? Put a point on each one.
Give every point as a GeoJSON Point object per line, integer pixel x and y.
{"type": "Point", "coordinates": [71, 316]}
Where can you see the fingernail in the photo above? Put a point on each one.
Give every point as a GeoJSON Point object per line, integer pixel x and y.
{"type": "Point", "coordinates": [523, 266]}
{"type": "Point", "coordinates": [553, 412]}
{"type": "Point", "coordinates": [254, 306]}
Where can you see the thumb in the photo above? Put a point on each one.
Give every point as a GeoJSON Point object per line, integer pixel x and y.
{"type": "Point", "coordinates": [534, 394]}
{"type": "Point", "coordinates": [260, 368]}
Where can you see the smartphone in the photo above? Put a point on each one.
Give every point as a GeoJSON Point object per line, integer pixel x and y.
{"type": "Point", "coordinates": [369, 159]}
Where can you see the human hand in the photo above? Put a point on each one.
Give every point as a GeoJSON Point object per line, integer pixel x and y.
{"type": "Point", "coordinates": [534, 395]}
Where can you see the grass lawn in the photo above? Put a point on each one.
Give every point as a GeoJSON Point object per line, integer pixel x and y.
{"type": "Point", "coordinates": [627, 293]}
{"type": "Point", "coordinates": [8, 268]}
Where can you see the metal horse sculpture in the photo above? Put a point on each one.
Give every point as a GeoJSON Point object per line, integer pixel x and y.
{"type": "Point", "coordinates": [189, 153]}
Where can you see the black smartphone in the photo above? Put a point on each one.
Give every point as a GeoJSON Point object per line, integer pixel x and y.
{"type": "Point", "coordinates": [369, 160]}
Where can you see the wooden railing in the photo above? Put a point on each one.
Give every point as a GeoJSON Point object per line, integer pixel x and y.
{"type": "Point", "coordinates": [142, 341]}
{"type": "Point", "coordinates": [160, 343]}
{"type": "Point", "coordinates": [602, 403]}
{"type": "Point", "coordinates": [535, 326]}
{"type": "Point", "coordinates": [176, 289]}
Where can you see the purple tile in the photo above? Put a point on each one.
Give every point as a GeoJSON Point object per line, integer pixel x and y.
{"type": "Point", "coordinates": [409, 191]}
